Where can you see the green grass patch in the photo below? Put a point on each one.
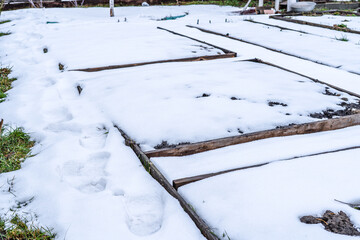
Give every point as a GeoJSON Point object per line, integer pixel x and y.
{"type": "Point", "coordinates": [6, 21]}
{"type": "Point", "coordinates": [22, 229]}
{"type": "Point", "coordinates": [5, 82]}
{"type": "Point", "coordinates": [15, 146]}
{"type": "Point", "coordinates": [4, 33]}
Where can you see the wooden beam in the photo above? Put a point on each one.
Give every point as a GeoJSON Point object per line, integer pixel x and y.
{"type": "Point", "coordinates": [191, 59]}
{"type": "Point", "coordinates": [265, 47]}
{"type": "Point", "coordinates": [157, 175]}
{"type": "Point", "coordinates": [257, 60]}
{"type": "Point", "coordinates": [184, 181]}
{"type": "Point", "coordinates": [283, 18]}
{"type": "Point", "coordinates": [306, 128]}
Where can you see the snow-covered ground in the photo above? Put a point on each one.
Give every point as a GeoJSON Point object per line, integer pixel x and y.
{"type": "Point", "coordinates": [88, 185]}
{"type": "Point", "coordinates": [333, 52]}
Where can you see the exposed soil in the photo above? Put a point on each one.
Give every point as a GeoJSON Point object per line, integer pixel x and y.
{"type": "Point", "coordinates": [271, 104]}
{"type": "Point", "coordinates": [336, 223]}
{"type": "Point", "coordinates": [348, 108]}
{"type": "Point", "coordinates": [235, 98]}
{"type": "Point", "coordinates": [204, 95]}
{"type": "Point", "coordinates": [165, 144]}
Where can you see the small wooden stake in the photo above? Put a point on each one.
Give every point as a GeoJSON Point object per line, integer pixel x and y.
{"type": "Point", "coordinates": [318, 126]}
{"type": "Point", "coordinates": [1, 124]}
{"type": "Point", "coordinates": [111, 3]}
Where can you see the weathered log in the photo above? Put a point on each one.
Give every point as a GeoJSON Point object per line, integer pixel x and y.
{"type": "Point", "coordinates": [183, 181]}
{"type": "Point", "coordinates": [306, 128]}
{"type": "Point", "coordinates": [283, 18]}
{"type": "Point", "coordinates": [265, 47]}
{"type": "Point", "coordinates": [191, 59]}
{"type": "Point", "coordinates": [157, 175]}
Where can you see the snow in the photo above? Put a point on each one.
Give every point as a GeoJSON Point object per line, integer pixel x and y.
{"type": "Point", "coordinates": [87, 184]}
{"type": "Point", "coordinates": [318, 49]}
{"type": "Point", "coordinates": [267, 202]}
{"type": "Point", "coordinates": [192, 118]}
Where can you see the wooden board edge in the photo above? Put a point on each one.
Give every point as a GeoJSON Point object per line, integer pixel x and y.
{"type": "Point", "coordinates": [267, 48]}
{"type": "Point", "coordinates": [191, 59]}
{"type": "Point", "coordinates": [283, 18]}
{"type": "Point", "coordinates": [187, 180]}
{"type": "Point", "coordinates": [158, 176]}
{"type": "Point", "coordinates": [258, 60]}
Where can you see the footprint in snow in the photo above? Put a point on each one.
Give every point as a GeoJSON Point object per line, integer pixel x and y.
{"type": "Point", "coordinates": [94, 137]}
{"type": "Point", "coordinates": [56, 114]}
{"type": "Point", "coordinates": [63, 127]}
{"type": "Point", "coordinates": [88, 176]}
{"type": "Point", "coordinates": [144, 214]}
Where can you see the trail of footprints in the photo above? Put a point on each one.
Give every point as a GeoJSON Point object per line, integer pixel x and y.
{"type": "Point", "coordinates": [143, 213]}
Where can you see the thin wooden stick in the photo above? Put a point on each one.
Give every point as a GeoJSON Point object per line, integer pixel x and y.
{"type": "Point", "coordinates": [183, 181]}
{"type": "Point", "coordinates": [192, 59]}
{"type": "Point", "coordinates": [268, 48]}
{"type": "Point", "coordinates": [306, 128]}
{"type": "Point", "coordinates": [155, 173]}
{"type": "Point", "coordinates": [197, 40]}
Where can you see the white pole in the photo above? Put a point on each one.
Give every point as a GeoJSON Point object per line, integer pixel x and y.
{"type": "Point", "coordinates": [261, 3]}
{"type": "Point", "coordinates": [289, 2]}
{"type": "Point", "coordinates": [112, 8]}
{"type": "Point", "coordinates": [277, 5]}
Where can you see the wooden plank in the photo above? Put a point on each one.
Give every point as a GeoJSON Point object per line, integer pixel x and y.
{"type": "Point", "coordinates": [283, 18]}
{"type": "Point", "coordinates": [157, 175]}
{"type": "Point", "coordinates": [306, 128]}
{"type": "Point", "coordinates": [265, 47]}
{"type": "Point", "coordinates": [191, 59]}
{"type": "Point", "coordinates": [257, 60]}
{"type": "Point", "coordinates": [184, 181]}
